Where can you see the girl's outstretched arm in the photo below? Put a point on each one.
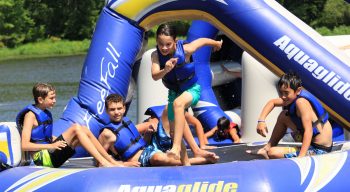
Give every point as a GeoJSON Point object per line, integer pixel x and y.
{"type": "Point", "coordinates": [200, 42]}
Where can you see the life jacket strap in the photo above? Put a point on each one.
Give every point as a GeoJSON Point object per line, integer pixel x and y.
{"type": "Point", "coordinates": [320, 120]}
{"type": "Point", "coordinates": [47, 122]}
{"type": "Point", "coordinates": [123, 125]}
{"type": "Point", "coordinates": [130, 144]}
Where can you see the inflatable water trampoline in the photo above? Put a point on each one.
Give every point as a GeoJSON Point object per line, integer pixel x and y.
{"type": "Point", "coordinates": [269, 35]}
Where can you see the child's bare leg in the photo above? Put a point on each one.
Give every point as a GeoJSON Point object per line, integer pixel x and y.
{"type": "Point", "coordinates": [283, 121]}
{"type": "Point", "coordinates": [180, 104]}
{"type": "Point", "coordinates": [77, 132]}
{"type": "Point", "coordinates": [99, 147]}
{"type": "Point", "coordinates": [198, 152]}
{"type": "Point", "coordinates": [184, 156]}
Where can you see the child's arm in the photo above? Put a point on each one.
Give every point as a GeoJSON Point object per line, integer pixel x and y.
{"type": "Point", "coordinates": [270, 105]}
{"type": "Point", "coordinates": [234, 136]}
{"type": "Point", "coordinates": [149, 126]}
{"type": "Point", "coordinates": [158, 73]}
{"type": "Point", "coordinates": [200, 42]}
{"type": "Point", "coordinates": [199, 129]}
{"type": "Point", "coordinates": [27, 145]}
{"type": "Point", "coordinates": [305, 110]}
{"type": "Point", "coordinates": [211, 132]}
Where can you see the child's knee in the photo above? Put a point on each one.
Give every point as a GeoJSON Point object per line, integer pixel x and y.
{"type": "Point", "coordinates": [106, 135]}
{"type": "Point", "coordinates": [76, 128]}
{"type": "Point", "coordinates": [178, 104]}
{"type": "Point", "coordinates": [272, 153]}
{"type": "Point", "coordinates": [283, 117]}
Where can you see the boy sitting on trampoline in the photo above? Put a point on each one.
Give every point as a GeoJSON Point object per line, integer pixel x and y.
{"type": "Point", "coordinates": [304, 114]}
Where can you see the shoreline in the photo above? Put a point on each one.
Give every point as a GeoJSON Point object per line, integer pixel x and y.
{"type": "Point", "coordinates": [51, 48]}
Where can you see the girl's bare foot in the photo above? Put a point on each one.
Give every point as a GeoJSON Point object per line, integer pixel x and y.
{"type": "Point", "coordinates": [203, 153]}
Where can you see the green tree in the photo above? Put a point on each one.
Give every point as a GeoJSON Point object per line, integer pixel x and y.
{"type": "Point", "coordinates": [335, 13]}
{"type": "Point", "coordinates": [81, 19]}
{"type": "Point", "coordinates": [306, 10]}
{"type": "Point", "coordinates": [66, 19]}
{"type": "Point", "coordinates": [14, 22]}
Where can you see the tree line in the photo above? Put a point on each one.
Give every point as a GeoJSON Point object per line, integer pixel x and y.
{"type": "Point", "coordinates": [25, 21]}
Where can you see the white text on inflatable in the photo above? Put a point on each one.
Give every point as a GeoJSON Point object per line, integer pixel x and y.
{"type": "Point", "coordinates": [320, 72]}
{"type": "Point", "coordinates": [107, 74]}
{"type": "Point", "coordinates": [220, 186]}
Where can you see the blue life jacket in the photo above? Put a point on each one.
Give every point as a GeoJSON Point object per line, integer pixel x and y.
{"type": "Point", "coordinates": [43, 132]}
{"type": "Point", "coordinates": [160, 139]}
{"type": "Point", "coordinates": [129, 140]}
{"type": "Point", "coordinates": [183, 75]}
{"type": "Point", "coordinates": [316, 105]}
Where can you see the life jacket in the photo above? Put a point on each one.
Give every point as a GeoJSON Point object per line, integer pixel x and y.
{"type": "Point", "coordinates": [316, 105]}
{"type": "Point", "coordinates": [43, 132]}
{"type": "Point", "coordinates": [183, 75]}
{"type": "Point", "coordinates": [160, 138]}
{"type": "Point", "coordinates": [129, 141]}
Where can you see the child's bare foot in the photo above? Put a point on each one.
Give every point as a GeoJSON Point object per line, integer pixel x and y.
{"type": "Point", "coordinates": [132, 164]}
{"type": "Point", "coordinates": [203, 153]}
{"type": "Point", "coordinates": [212, 159]}
{"type": "Point", "coordinates": [106, 164]}
{"type": "Point", "coordinates": [118, 163]}
{"type": "Point", "coordinates": [187, 164]}
{"type": "Point", "coordinates": [261, 151]}
{"type": "Point", "coordinates": [174, 154]}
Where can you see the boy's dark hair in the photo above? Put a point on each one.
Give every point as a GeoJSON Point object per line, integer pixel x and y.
{"type": "Point", "coordinates": [291, 80]}
{"type": "Point", "coordinates": [41, 90]}
{"type": "Point", "coordinates": [114, 98]}
{"type": "Point", "coordinates": [166, 29]}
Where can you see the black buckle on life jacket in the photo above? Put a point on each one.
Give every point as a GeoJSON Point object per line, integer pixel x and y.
{"type": "Point", "coordinates": [180, 81]}
{"type": "Point", "coordinates": [47, 122]}
{"type": "Point", "coordinates": [124, 124]}
{"type": "Point", "coordinates": [319, 120]}
{"type": "Point", "coordinates": [132, 142]}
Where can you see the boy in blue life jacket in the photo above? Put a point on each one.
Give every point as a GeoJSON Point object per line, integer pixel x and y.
{"type": "Point", "coordinates": [304, 114]}
{"type": "Point", "coordinates": [35, 125]}
{"type": "Point", "coordinates": [124, 140]}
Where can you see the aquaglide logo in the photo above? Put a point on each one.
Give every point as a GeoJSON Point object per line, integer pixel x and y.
{"type": "Point", "coordinates": [108, 71]}
{"type": "Point", "coordinates": [322, 73]}
{"type": "Point", "coordinates": [220, 186]}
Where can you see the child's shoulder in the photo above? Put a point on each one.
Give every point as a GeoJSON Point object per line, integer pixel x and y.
{"type": "Point", "coordinates": [302, 103]}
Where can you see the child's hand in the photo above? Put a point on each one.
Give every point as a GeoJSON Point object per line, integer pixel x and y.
{"type": "Point", "coordinates": [261, 128]}
{"type": "Point", "coordinates": [169, 65]}
{"type": "Point", "coordinates": [152, 127]}
{"type": "Point", "coordinates": [218, 45]}
{"type": "Point", "coordinates": [58, 145]}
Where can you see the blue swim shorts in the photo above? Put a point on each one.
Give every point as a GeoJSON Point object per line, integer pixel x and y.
{"type": "Point", "coordinates": [147, 154]}
{"type": "Point", "coordinates": [311, 151]}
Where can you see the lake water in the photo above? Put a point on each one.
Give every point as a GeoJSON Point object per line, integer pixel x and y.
{"type": "Point", "coordinates": [17, 78]}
